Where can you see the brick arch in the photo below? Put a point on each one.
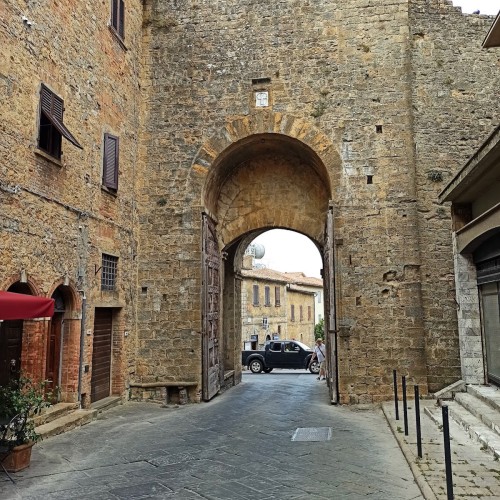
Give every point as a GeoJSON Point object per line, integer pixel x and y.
{"type": "Point", "coordinates": [70, 292]}
{"type": "Point", "coordinates": [33, 286]}
{"type": "Point", "coordinates": [269, 145]}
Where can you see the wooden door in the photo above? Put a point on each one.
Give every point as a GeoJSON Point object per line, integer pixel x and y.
{"type": "Point", "coordinates": [53, 355]}
{"type": "Point", "coordinates": [330, 310]}
{"type": "Point", "coordinates": [211, 365]}
{"type": "Point", "coordinates": [101, 354]}
{"type": "Point", "coordinates": [10, 350]}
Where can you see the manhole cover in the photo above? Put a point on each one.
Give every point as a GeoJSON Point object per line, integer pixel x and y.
{"type": "Point", "coordinates": [312, 434]}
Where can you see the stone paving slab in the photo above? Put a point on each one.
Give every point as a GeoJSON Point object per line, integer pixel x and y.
{"type": "Point", "coordinates": [238, 446]}
{"type": "Point", "coordinates": [476, 474]}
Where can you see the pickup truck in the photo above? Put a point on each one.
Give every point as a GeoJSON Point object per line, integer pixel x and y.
{"type": "Point", "coordinates": [280, 354]}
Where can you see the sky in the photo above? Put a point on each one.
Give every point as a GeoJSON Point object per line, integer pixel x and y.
{"type": "Point", "coordinates": [288, 251]}
{"type": "Point", "coordinates": [484, 6]}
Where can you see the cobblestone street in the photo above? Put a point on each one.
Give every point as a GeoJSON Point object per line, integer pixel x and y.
{"type": "Point", "coordinates": [237, 446]}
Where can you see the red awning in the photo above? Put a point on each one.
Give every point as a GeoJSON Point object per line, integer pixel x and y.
{"type": "Point", "coordinates": [22, 306]}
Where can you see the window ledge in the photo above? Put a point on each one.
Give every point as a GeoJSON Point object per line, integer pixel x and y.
{"type": "Point", "coordinates": [118, 38]}
{"type": "Point", "coordinates": [114, 194]}
{"type": "Point", "coordinates": [49, 158]}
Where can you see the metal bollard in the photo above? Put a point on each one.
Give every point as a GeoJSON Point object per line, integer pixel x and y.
{"type": "Point", "coordinates": [447, 454]}
{"type": "Point", "coordinates": [405, 407]}
{"type": "Point", "coordinates": [417, 420]}
{"type": "Point", "coordinates": [396, 402]}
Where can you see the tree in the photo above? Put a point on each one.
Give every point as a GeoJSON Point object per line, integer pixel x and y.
{"type": "Point", "coordinates": [319, 330]}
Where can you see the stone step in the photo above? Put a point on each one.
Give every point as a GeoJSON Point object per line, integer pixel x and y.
{"type": "Point", "coordinates": [461, 420]}
{"type": "Point", "coordinates": [53, 412]}
{"type": "Point", "coordinates": [72, 420]}
{"type": "Point", "coordinates": [487, 394]}
{"type": "Point", "coordinates": [481, 410]}
{"type": "Point", "coordinates": [106, 404]}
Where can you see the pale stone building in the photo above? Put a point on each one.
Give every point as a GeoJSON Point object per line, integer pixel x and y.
{"type": "Point", "coordinates": [314, 285]}
{"type": "Point", "coordinates": [275, 307]}
{"type": "Point", "coordinates": [145, 144]}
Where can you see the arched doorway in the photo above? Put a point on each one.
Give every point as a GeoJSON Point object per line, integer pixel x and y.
{"type": "Point", "coordinates": [262, 181]}
{"type": "Point", "coordinates": [11, 341]}
{"type": "Point", "coordinates": [55, 342]}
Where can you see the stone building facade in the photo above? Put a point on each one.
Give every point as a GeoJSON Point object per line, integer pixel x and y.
{"type": "Point", "coordinates": [314, 285]}
{"type": "Point", "coordinates": [474, 194]}
{"type": "Point", "coordinates": [275, 306]}
{"type": "Point", "coordinates": [339, 120]}
{"type": "Point", "coordinates": [69, 82]}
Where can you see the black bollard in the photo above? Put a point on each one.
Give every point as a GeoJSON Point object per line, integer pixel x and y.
{"type": "Point", "coordinates": [447, 454]}
{"type": "Point", "coordinates": [405, 407]}
{"type": "Point", "coordinates": [417, 420]}
{"type": "Point", "coordinates": [396, 403]}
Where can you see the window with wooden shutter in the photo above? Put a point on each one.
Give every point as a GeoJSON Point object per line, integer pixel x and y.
{"type": "Point", "coordinates": [110, 162]}
{"type": "Point", "coordinates": [267, 294]}
{"type": "Point", "coordinates": [292, 313]}
{"type": "Point", "coordinates": [52, 128]}
{"type": "Point", "coordinates": [256, 295]}
{"type": "Point", "coordinates": [277, 301]}
{"type": "Point", "coordinates": [118, 17]}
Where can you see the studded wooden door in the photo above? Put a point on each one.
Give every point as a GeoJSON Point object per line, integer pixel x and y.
{"type": "Point", "coordinates": [11, 333]}
{"type": "Point", "coordinates": [211, 311]}
{"type": "Point", "coordinates": [101, 354]}
{"type": "Point", "coordinates": [330, 312]}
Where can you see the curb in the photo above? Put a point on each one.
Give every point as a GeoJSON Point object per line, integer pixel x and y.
{"type": "Point", "coordinates": [426, 490]}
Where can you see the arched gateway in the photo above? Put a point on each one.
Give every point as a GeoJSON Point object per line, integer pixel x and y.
{"type": "Point", "coordinates": [262, 172]}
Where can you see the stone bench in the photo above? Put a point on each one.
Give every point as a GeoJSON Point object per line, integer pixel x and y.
{"type": "Point", "coordinates": [152, 388]}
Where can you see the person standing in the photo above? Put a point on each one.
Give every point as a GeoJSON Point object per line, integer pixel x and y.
{"type": "Point", "coordinates": [320, 354]}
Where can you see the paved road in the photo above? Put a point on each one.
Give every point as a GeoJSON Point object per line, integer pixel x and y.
{"type": "Point", "coordinates": [239, 446]}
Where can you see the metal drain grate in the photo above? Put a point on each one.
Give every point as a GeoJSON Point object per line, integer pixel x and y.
{"type": "Point", "coordinates": [312, 434]}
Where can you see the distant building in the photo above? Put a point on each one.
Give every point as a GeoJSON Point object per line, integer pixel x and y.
{"type": "Point", "coordinates": [277, 305]}
{"type": "Point", "coordinates": [314, 285]}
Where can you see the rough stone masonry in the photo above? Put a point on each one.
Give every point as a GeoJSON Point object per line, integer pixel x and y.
{"type": "Point", "coordinates": [255, 115]}
{"type": "Point", "coordinates": [380, 103]}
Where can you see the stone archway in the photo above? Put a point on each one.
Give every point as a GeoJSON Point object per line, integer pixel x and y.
{"type": "Point", "coordinates": [262, 172]}
{"type": "Point", "coordinates": [62, 367]}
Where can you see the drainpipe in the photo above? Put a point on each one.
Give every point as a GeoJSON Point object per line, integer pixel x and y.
{"type": "Point", "coordinates": [59, 375]}
{"type": "Point", "coordinates": [82, 337]}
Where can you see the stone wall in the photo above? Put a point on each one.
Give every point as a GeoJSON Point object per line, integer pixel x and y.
{"type": "Point", "coordinates": [454, 110]}
{"type": "Point", "coordinates": [56, 219]}
{"type": "Point", "coordinates": [252, 315]}
{"type": "Point", "coordinates": [373, 105]}
{"type": "Point", "coordinates": [340, 69]}
{"type": "Point", "coordinates": [301, 327]}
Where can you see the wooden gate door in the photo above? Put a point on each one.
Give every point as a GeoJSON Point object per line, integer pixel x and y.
{"type": "Point", "coordinates": [101, 354]}
{"type": "Point", "coordinates": [330, 312]}
{"type": "Point", "coordinates": [53, 355]}
{"type": "Point", "coordinates": [211, 365]}
{"type": "Point", "coordinates": [11, 334]}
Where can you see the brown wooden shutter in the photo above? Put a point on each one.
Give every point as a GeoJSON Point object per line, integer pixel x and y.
{"type": "Point", "coordinates": [121, 26]}
{"type": "Point", "coordinates": [110, 167]}
{"type": "Point", "coordinates": [114, 14]}
{"type": "Point", "coordinates": [53, 109]}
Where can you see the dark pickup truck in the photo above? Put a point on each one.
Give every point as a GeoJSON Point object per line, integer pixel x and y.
{"type": "Point", "coordinates": [280, 354]}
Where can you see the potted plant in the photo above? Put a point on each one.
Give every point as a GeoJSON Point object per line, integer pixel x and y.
{"type": "Point", "coordinates": [20, 400]}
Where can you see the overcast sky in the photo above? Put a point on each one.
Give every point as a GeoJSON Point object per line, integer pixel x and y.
{"type": "Point", "coordinates": [288, 251]}
{"type": "Point", "coordinates": [484, 6]}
